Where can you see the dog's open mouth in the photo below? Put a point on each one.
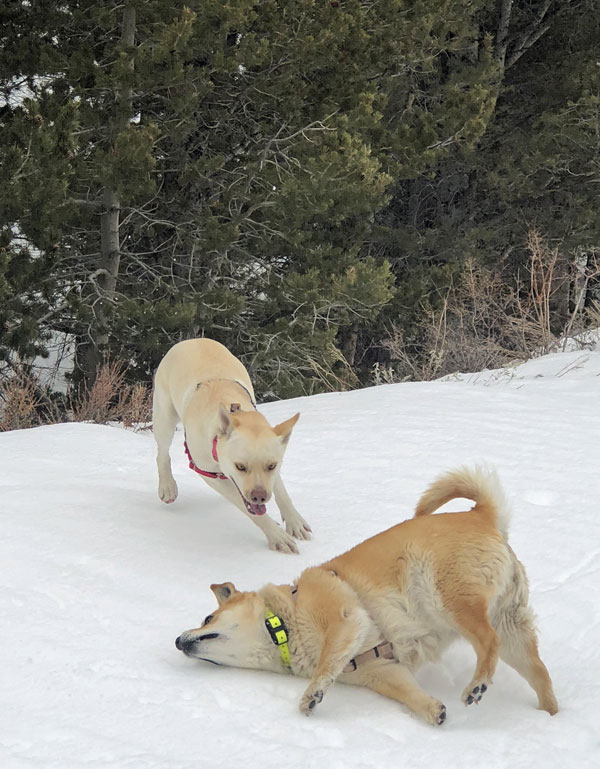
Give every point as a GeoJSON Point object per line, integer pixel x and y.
{"type": "Point", "coordinates": [254, 509]}
{"type": "Point", "coordinates": [250, 507]}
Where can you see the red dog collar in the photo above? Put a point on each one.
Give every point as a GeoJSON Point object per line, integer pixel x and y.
{"type": "Point", "coordinates": [205, 473]}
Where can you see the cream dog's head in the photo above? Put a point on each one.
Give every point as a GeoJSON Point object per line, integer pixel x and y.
{"type": "Point", "coordinates": [235, 634]}
{"type": "Point", "coordinates": [250, 454]}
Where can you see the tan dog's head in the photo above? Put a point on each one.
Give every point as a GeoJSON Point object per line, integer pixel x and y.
{"type": "Point", "coordinates": [250, 454]}
{"type": "Point", "coordinates": [234, 635]}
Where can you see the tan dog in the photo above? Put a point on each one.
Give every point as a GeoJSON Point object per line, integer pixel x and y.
{"type": "Point", "coordinates": [230, 444]}
{"type": "Point", "coordinates": [373, 615]}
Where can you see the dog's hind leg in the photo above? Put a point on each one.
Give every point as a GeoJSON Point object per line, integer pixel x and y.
{"type": "Point", "coordinates": [519, 649]}
{"type": "Point", "coordinates": [294, 522]}
{"type": "Point", "coordinates": [515, 625]}
{"type": "Point", "coordinates": [470, 616]}
{"type": "Point", "coordinates": [514, 622]}
{"type": "Point", "coordinates": [164, 422]}
{"type": "Point", "coordinates": [397, 682]}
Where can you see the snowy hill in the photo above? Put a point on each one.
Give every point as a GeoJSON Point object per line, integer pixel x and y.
{"type": "Point", "coordinates": [99, 577]}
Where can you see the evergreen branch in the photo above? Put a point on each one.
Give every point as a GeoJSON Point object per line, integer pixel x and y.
{"type": "Point", "coordinates": [81, 202]}
{"type": "Point", "coordinates": [444, 142]}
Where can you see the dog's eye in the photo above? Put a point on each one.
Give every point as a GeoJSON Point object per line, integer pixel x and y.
{"type": "Point", "coordinates": [208, 619]}
{"type": "Point", "coordinates": [239, 466]}
{"type": "Point", "coordinates": [272, 466]}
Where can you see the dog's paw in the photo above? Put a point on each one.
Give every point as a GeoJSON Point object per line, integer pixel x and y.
{"type": "Point", "coordinates": [283, 543]}
{"type": "Point", "coordinates": [297, 527]}
{"type": "Point", "coordinates": [549, 704]}
{"type": "Point", "coordinates": [436, 714]}
{"type": "Point", "coordinates": [474, 692]}
{"type": "Point", "coordinates": [167, 491]}
{"type": "Point", "coordinates": [310, 700]}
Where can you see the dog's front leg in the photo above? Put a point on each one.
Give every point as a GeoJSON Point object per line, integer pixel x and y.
{"type": "Point", "coordinates": [344, 636]}
{"type": "Point", "coordinates": [294, 522]}
{"type": "Point", "coordinates": [339, 647]}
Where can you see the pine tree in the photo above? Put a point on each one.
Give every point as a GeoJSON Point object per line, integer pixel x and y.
{"type": "Point", "coordinates": [203, 170]}
{"type": "Point", "coordinates": [287, 177]}
{"type": "Point", "coordinates": [530, 162]}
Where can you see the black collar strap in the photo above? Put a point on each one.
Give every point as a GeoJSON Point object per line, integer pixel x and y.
{"type": "Point", "coordinates": [385, 650]}
{"type": "Point", "coordinates": [237, 382]}
{"type": "Point", "coordinates": [252, 401]}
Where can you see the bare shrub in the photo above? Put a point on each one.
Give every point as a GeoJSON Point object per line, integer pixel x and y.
{"type": "Point", "coordinates": [135, 408]}
{"type": "Point", "coordinates": [99, 403]}
{"type": "Point", "coordinates": [544, 283]}
{"type": "Point", "coordinates": [552, 312]}
{"type": "Point", "coordinates": [24, 402]}
{"type": "Point", "coordinates": [112, 399]}
{"type": "Point", "coordinates": [485, 322]}
{"type": "Point", "coordinates": [20, 401]}
{"type": "Point", "coordinates": [468, 332]}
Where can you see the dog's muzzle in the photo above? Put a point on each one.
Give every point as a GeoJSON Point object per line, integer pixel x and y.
{"type": "Point", "coordinates": [186, 645]}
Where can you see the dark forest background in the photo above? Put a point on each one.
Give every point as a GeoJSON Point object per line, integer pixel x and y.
{"type": "Point", "coordinates": [342, 192]}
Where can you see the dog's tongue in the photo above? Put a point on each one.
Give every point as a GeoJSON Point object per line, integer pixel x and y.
{"type": "Point", "coordinates": [257, 509]}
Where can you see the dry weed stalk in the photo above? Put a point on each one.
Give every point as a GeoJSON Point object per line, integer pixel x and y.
{"type": "Point", "coordinates": [544, 284]}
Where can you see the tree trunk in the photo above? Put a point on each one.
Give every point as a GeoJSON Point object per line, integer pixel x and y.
{"type": "Point", "coordinates": [110, 247]}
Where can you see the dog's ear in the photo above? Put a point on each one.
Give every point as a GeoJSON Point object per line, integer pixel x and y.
{"type": "Point", "coordinates": [223, 592]}
{"type": "Point", "coordinates": [225, 423]}
{"type": "Point", "coordinates": [284, 430]}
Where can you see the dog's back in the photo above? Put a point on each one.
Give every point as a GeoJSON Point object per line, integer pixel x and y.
{"type": "Point", "coordinates": [424, 577]}
{"type": "Point", "coordinates": [469, 545]}
{"type": "Point", "coordinates": [193, 361]}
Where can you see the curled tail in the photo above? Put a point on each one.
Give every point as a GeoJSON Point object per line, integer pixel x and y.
{"type": "Point", "coordinates": [480, 484]}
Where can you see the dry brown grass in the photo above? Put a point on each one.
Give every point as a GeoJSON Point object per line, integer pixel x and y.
{"type": "Point", "coordinates": [24, 402]}
{"type": "Point", "coordinates": [136, 408]}
{"type": "Point", "coordinates": [112, 399]}
{"type": "Point", "coordinates": [20, 401]}
{"type": "Point", "coordinates": [100, 402]}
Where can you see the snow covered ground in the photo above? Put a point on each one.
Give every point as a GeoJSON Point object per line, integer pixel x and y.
{"type": "Point", "coordinates": [98, 578]}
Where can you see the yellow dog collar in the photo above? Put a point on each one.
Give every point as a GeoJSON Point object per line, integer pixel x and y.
{"type": "Point", "coordinates": [278, 632]}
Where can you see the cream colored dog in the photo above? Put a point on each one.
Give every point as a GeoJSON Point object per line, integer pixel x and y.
{"type": "Point", "coordinates": [373, 615]}
{"type": "Point", "coordinates": [201, 384]}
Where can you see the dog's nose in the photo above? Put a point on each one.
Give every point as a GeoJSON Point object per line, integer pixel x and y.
{"type": "Point", "coordinates": [258, 495]}
{"type": "Point", "coordinates": [178, 642]}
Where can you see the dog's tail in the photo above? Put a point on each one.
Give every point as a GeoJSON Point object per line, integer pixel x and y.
{"type": "Point", "coordinates": [480, 484]}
